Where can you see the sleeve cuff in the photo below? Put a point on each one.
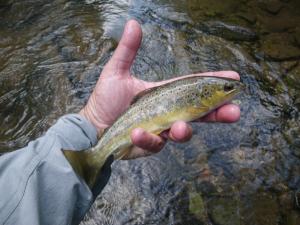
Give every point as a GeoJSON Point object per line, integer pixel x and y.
{"type": "Point", "coordinates": [74, 132]}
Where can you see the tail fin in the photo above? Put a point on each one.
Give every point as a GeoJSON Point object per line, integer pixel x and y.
{"type": "Point", "coordinates": [82, 163]}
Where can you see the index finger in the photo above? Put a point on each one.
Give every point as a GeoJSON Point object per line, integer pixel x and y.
{"type": "Point", "coordinates": [226, 74]}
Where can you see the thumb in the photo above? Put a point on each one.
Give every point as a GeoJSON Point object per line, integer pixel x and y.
{"type": "Point", "coordinates": [127, 48]}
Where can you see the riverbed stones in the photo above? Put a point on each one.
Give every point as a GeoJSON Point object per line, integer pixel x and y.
{"type": "Point", "coordinates": [293, 218]}
{"type": "Point", "coordinates": [279, 47]}
{"type": "Point", "coordinates": [286, 201]}
{"type": "Point", "coordinates": [297, 36]}
{"type": "Point", "coordinates": [260, 209]}
{"type": "Point", "coordinates": [271, 6]}
{"type": "Point", "coordinates": [224, 211]}
{"type": "Point", "coordinates": [229, 31]}
{"type": "Point", "coordinates": [287, 66]}
{"type": "Point", "coordinates": [292, 77]}
{"type": "Point", "coordinates": [211, 8]}
{"type": "Point", "coordinates": [248, 17]}
{"type": "Point", "coordinates": [152, 190]}
{"type": "Point", "coordinates": [196, 205]}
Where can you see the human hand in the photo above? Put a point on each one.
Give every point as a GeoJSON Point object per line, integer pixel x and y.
{"type": "Point", "coordinates": [116, 88]}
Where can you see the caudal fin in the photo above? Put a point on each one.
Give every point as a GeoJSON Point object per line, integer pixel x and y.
{"type": "Point", "coordinates": [82, 164]}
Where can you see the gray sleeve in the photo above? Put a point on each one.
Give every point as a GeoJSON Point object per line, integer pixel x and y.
{"type": "Point", "coordinates": [38, 185]}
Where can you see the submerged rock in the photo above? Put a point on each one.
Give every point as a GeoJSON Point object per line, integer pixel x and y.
{"type": "Point", "coordinates": [224, 211]}
{"type": "Point", "coordinates": [196, 205]}
{"type": "Point", "coordinates": [292, 77]}
{"type": "Point", "coordinates": [297, 36]}
{"type": "Point", "coordinates": [229, 32]}
{"type": "Point", "coordinates": [293, 218]}
{"type": "Point", "coordinates": [52, 55]}
{"type": "Point", "coordinates": [273, 6]}
{"type": "Point", "coordinates": [280, 47]}
{"type": "Point", "coordinates": [265, 209]}
{"type": "Point", "coordinates": [249, 17]}
{"type": "Point", "coordinates": [288, 65]}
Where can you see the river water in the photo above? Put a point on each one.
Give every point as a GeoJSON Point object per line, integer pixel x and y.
{"type": "Point", "coordinates": [52, 53]}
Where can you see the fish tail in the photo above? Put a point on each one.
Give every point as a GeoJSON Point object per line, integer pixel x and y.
{"type": "Point", "coordinates": [82, 164]}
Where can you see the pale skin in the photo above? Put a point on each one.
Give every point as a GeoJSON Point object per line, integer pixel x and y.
{"type": "Point", "coordinates": [116, 88]}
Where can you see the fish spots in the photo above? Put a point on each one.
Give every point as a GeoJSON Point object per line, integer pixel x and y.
{"type": "Point", "coordinates": [194, 96]}
{"type": "Point", "coordinates": [206, 92]}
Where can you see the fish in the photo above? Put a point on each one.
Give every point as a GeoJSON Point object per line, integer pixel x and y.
{"type": "Point", "coordinates": [154, 110]}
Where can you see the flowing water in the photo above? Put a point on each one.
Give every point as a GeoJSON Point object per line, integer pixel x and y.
{"type": "Point", "coordinates": [52, 53]}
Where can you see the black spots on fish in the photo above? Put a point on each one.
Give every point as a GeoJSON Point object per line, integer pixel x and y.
{"type": "Point", "coordinates": [196, 92]}
{"type": "Point", "coordinates": [194, 96]}
{"type": "Point", "coordinates": [117, 123]}
{"type": "Point", "coordinates": [180, 100]}
{"type": "Point", "coordinates": [206, 92]}
{"type": "Point", "coordinates": [179, 89]}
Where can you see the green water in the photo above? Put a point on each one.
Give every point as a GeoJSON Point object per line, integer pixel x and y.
{"type": "Point", "coordinates": [52, 53]}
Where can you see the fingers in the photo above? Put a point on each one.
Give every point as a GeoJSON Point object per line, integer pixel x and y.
{"type": "Point", "coordinates": [226, 74]}
{"type": "Point", "coordinates": [145, 144]}
{"type": "Point", "coordinates": [180, 131]}
{"type": "Point", "coordinates": [146, 140]}
{"type": "Point", "coordinates": [226, 114]}
{"type": "Point", "coordinates": [127, 48]}
{"type": "Point", "coordinates": [148, 144]}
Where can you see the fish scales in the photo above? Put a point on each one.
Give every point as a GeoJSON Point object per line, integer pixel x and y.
{"type": "Point", "coordinates": [161, 101]}
{"type": "Point", "coordinates": [186, 99]}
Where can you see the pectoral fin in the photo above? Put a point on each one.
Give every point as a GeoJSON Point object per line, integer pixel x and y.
{"type": "Point", "coordinates": [198, 111]}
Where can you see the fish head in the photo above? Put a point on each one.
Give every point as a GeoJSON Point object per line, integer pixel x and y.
{"type": "Point", "coordinates": [218, 91]}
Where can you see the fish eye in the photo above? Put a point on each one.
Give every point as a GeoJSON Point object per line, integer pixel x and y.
{"type": "Point", "coordinates": [228, 87]}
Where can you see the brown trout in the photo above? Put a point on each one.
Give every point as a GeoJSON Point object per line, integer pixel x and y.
{"type": "Point", "coordinates": [154, 110]}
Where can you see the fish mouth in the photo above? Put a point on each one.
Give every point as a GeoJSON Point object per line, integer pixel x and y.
{"type": "Point", "coordinates": [240, 87]}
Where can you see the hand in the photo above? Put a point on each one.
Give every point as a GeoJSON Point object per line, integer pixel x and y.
{"type": "Point", "coordinates": [116, 88]}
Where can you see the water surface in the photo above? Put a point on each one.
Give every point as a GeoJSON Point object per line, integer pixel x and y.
{"type": "Point", "coordinates": [52, 53]}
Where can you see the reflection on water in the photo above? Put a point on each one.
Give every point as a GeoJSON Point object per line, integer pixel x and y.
{"type": "Point", "coordinates": [245, 173]}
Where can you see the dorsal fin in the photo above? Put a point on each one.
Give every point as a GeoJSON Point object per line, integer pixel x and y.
{"type": "Point", "coordinates": [142, 93]}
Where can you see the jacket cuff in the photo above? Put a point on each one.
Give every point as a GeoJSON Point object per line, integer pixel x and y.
{"type": "Point", "coordinates": [74, 132]}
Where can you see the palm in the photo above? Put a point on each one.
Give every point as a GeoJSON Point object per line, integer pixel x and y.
{"type": "Point", "coordinates": [116, 92]}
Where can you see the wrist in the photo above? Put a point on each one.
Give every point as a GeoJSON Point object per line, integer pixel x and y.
{"type": "Point", "coordinates": [89, 116]}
